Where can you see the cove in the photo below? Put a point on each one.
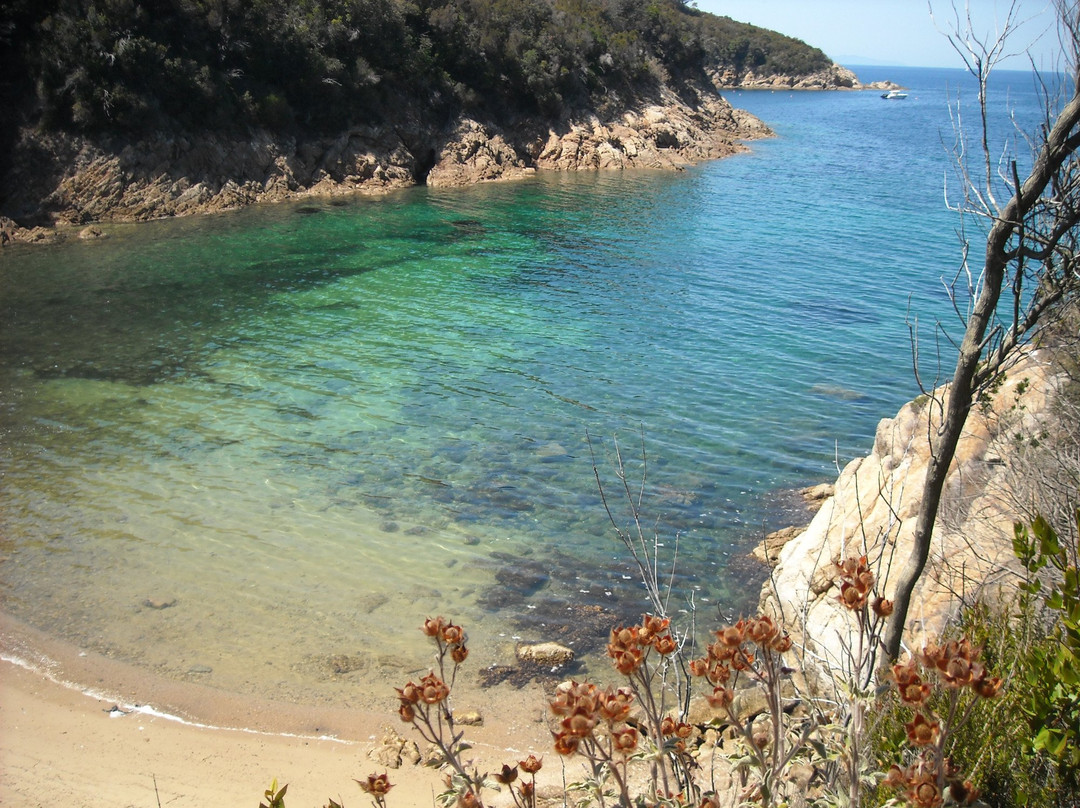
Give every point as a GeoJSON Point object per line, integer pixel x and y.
{"type": "Point", "coordinates": [256, 450]}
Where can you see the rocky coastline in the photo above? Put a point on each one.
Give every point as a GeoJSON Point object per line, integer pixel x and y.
{"type": "Point", "coordinates": [59, 184]}
{"type": "Point", "coordinates": [871, 509]}
{"type": "Point", "coordinates": [836, 77]}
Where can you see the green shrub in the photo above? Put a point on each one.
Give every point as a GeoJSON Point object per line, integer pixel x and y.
{"type": "Point", "coordinates": [113, 66]}
{"type": "Point", "coordinates": [1024, 749]}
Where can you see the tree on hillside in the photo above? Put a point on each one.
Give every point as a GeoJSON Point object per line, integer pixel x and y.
{"type": "Point", "coordinates": [1029, 267]}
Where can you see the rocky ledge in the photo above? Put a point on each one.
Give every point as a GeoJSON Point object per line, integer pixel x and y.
{"type": "Point", "coordinates": [60, 183]}
{"type": "Point", "coordinates": [872, 510]}
{"type": "Point", "coordinates": [836, 77]}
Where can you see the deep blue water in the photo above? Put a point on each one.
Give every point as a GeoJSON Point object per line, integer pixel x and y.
{"type": "Point", "coordinates": [312, 425]}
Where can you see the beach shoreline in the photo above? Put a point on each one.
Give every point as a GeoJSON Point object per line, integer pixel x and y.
{"type": "Point", "coordinates": [85, 730]}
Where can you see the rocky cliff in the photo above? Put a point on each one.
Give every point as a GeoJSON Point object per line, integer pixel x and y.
{"type": "Point", "coordinates": [835, 77]}
{"type": "Point", "coordinates": [62, 181]}
{"type": "Point", "coordinates": [874, 504]}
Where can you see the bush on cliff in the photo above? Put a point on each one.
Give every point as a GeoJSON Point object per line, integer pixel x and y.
{"type": "Point", "coordinates": [135, 66]}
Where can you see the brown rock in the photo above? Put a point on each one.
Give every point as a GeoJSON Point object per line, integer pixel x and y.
{"type": "Point", "coordinates": [769, 549]}
{"type": "Point", "coordinates": [392, 751]}
{"type": "Point", "coordinates": [546, 653]}
{"type": "Point", "coordinates": [469, 718]}
{"type": "Point", "coordinates": [816, 494]}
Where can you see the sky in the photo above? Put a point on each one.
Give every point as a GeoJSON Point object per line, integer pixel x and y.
{"type": "Point", "coordinates": [896, 32]}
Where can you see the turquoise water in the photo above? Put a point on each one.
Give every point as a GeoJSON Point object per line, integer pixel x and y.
{"type": "Point", "coordinates": [309, 426]}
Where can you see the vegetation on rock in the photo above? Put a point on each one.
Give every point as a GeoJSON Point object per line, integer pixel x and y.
{"type": "Point", "coordinates": [320, 65]}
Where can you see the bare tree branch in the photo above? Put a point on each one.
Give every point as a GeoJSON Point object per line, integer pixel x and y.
{"type": "Point", "coordinates": [1032, 236]}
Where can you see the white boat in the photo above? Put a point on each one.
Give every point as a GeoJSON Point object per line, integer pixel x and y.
{"type": "Point", "coordinates": [894, 95]}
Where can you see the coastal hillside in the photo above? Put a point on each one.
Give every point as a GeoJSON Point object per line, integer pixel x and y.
{"type": "Point", "coordinates": [132, 110]}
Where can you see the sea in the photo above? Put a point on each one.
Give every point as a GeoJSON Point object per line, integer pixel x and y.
{"type": "Point", "coordinates": [255, 450]}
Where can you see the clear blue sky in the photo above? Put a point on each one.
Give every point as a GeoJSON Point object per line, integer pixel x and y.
{"type": "Point", "coordinates": [894, 32]}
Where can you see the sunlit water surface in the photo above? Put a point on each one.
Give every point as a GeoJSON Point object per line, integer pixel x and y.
{"type": "Point", "coordinates": [302, 429]}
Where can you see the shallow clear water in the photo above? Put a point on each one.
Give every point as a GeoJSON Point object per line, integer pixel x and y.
{"type": "Point", "coordinates": [307, 427]}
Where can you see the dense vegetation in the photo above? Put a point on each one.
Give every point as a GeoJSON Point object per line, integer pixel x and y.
{"type": "Point", "coordinates": [135, 66]}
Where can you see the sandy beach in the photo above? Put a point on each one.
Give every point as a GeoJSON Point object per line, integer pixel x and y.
{"type": "Point", "coordinates": [82, 732]}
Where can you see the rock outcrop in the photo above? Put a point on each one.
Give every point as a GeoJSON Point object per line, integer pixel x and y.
{"type": "Point", "coordinates": [67, 182]}
{"type": "Point", "coordinates": [666, 135]}
{"type": "Point", "coordinates": [835, 77]}
{"type": "Point", "coordinates": [874, 505]}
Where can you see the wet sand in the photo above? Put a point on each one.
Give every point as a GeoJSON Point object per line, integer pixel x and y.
{"type": "Point", "coordinates": [173, 744]}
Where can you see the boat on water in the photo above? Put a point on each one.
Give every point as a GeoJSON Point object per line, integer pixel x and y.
{"type": "Point", "coordinates": [894, 95]}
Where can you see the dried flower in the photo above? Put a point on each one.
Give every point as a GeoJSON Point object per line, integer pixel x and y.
{"type": "Point", "coordinates": [651, 627]}
{"type": "Point", "coordinates": [963, 793]}
{"type": "Point", "coordinates": [895, 778]}
{"type": "Point", "coordinates": [850, 597]}
{"type": "Point", "coordinates": [742, 661]}
{"type": "Point", "coordinates": [925, 793]}
{"type": "Point", "coordinates": [508, 774]}
{"type": "Point", "coordinates": [625, 740]}
{"type": "Point", "coordinates": [434, 626]}
{"type": "Point", "coordinates": [882, 607]}
{"type": "Point", "coordinates": [573, 697]}
{"type": "Point", "coordinates": [762, 631]}
{"type": "Point", "coordinates": [721, 697]}
{"type": "Point", "coordinates": [665, 645]}
{"type": "Point", "coordinates": [615, 706]}
{"type": "Point", "coordinates": [732, 636]}
{"type": "Point", "coordinates": [761, 738]}
{"type": "Point", "coordinates": [453, 635]}
{"type": "Point", "coordinates": [921, 731]}
{"type": "Point", "coordinates": [988, 688]}
{"type": "Point", "coordinates": [719, 674]}
{"type": "Point", "coordinates": [623, 638]}
{"type": "Point", "coordinates": [579, 724]}
{"type": "Point", "coordinates": [857, 583]}
{"type": "Point", "coordinates": [628, 661]}
{"type": "Point", "coordinates": [433, 689]}
{"type": "Point", "coordinates": [566, 744]}
{"type": "Point", "coordinates": [909, 684]}
{"type": "Point", "coordinates": [376, 784]}
{"type": "Point", "coordinates": [531, 764]}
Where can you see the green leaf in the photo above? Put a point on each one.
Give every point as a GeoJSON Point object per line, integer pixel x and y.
{"type": "Point", "coordinates": [1047, 537]}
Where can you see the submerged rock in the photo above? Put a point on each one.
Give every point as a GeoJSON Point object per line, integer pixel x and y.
{"type": "Point", "coordinates": [549, 654]}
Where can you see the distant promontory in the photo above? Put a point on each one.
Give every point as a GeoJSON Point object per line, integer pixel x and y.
{"type": "Point", "coordinates": [126, 111]}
